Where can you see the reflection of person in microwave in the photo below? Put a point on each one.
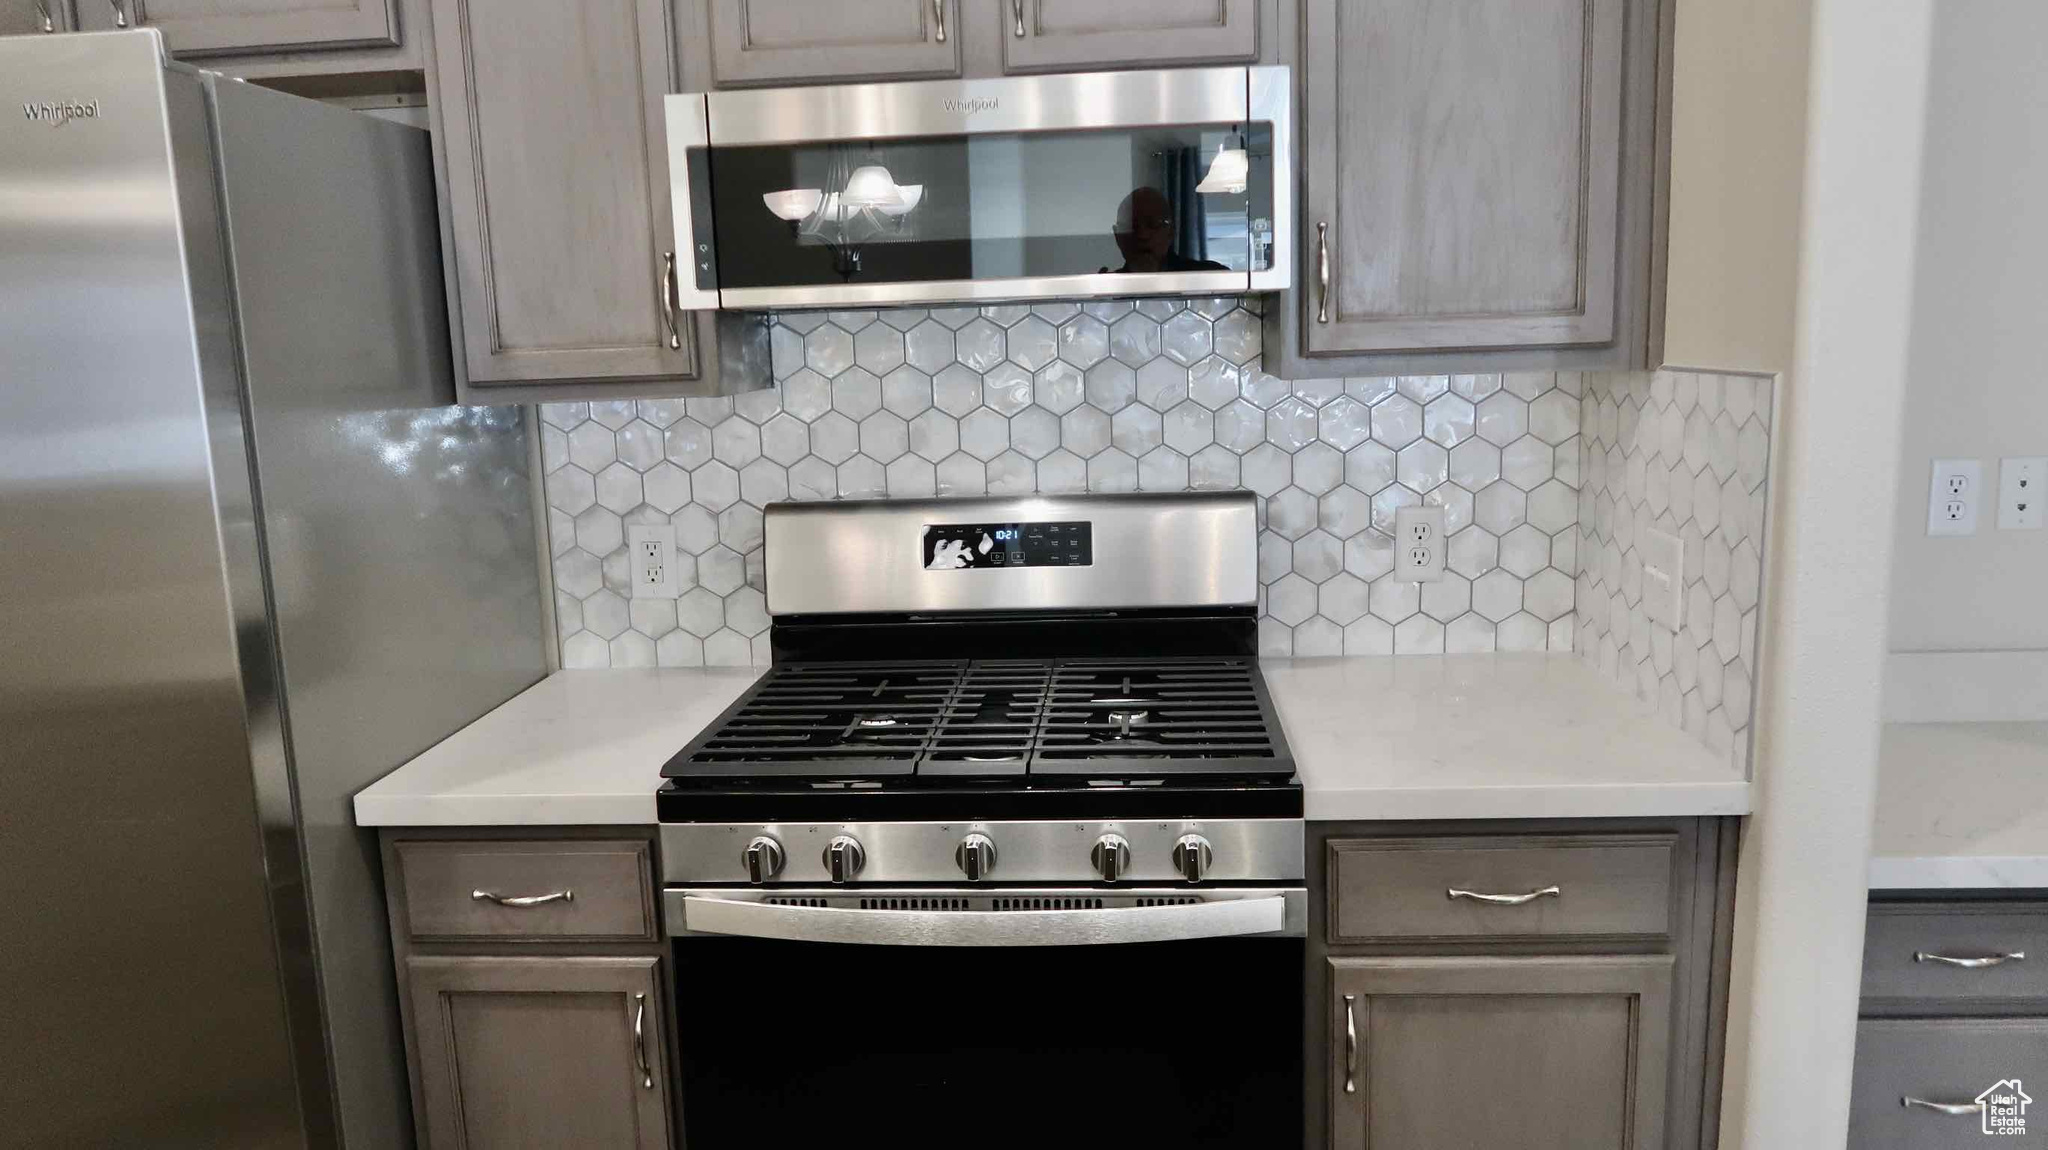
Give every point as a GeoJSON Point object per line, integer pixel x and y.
{"type": "Point", "coordinates": [1144, 233]}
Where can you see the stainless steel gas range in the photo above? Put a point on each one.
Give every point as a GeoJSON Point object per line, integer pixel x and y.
{"type": "Point", "coordinates": [1009, 826]}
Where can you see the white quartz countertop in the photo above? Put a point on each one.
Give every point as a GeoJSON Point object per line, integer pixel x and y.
{"type": "Point", "coordinates": [1487, 737]}
{"type": "Point", "coordinates": [1429, 737]}
{"type": "Point", "coordinates": [576, 747]}
{"type": "Point", "coordinates": [1961, 805]}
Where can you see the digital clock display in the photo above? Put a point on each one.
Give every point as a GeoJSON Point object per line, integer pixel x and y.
{"type": "Point", "coordinates": [983, 546]}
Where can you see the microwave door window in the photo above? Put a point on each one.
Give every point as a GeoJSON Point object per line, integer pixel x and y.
{"type": "Point", "coordinates": [984, 207]}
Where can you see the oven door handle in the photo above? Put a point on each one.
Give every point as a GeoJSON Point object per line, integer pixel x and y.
{"type": "Point", "coordinates": [1225, 918]}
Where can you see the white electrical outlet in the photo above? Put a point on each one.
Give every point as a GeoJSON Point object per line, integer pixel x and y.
{"type": "Point", "coordinates": [2022, 484]}
{"type": "Point", "coordinates": [1663, 577]}
{"type": "Point", "coordinates": [1419, 544]}
{"type": "Point", "coordinates": [1953, 495]}
{"type": "Point", "coordinates": [653, 550]}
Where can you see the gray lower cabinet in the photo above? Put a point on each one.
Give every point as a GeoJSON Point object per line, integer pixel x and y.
{"type": "Point", "coordinates": [1954, 1009]}
{"type": "Point", "coordinates": [539, 1052]}
{"type": "Point", "coordinates": [1074, 35]}
{"type": "Point", "coordinates": [24, 17]}
{"type": "Point", "coordinates": [1540, 1053]}
{"type": "Point", "coordinates": [1546, 985]}
{"type": "Point", "coordinates": [755, 42]}
{"type": "Point", "coordinates": [551, 146]}
{"type": "Point", "coordinates": [1478, 181]}
{"type": "Point", "coordinates": [232, 27]}
{"type": "Point", "coordinates": [1918, 1079]}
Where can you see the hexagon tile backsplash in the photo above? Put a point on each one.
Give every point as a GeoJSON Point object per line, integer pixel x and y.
{"type": "Point", "coordinates": [1154, 395]}
{"type": "Point", "coordinates": [1689, 454]}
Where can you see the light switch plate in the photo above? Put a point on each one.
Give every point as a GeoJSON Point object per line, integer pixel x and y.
{"type": "Point", "coordinates": [1663, 577]}
{"type": "Point", "coordinates": [653, 552]}
{"type": "Point", "coordinates": [2022, 484]}
{"type": "Point", "coordinates": [1954, 492]}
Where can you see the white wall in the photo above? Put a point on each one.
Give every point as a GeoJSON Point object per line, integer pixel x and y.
{"type": "Point", "coordinates": [1979, 352]}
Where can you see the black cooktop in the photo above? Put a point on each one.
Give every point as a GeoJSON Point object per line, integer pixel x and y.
{"type": "Point", "coordinates": [1185, 737]}
{"type": "Point", "coordinates": [951, 723]}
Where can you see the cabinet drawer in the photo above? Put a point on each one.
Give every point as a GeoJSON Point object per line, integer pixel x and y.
{"type": "Point", "coordinates": [1904, 946]}
{"type": "Point", "coordinates": [1391, 889]}
{"type": "Point", "coordinates": [578, 889]}
{"type": "Point", "coordinates": [1944, 1065]}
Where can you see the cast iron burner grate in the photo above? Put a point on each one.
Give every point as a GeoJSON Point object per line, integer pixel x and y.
{"type": "Point", "coordinates": [1083, 720]}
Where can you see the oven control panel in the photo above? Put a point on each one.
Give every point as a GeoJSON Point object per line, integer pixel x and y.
{"type": "Point", "coordinates": [998, 852]}
{"type": "Point", "coordinates": [981, 546]}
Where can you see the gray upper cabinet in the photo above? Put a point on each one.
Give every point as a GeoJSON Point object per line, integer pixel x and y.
{"type": "Point", "coordinates": [1450, 1053]}
{"type": "Point", "coordinates": [1477, 185]}
{"type": "Point", "coordinates": [755, 42]}
{"type": "Point", "coordinates": [24, 17]}
{"type": "Point", "coordinates": [551, 140]}
{"type": "Point", "coordinates": [1076, 35]}
{"type": "Point", "coordinates": [539, 1052]}
{"type": "Point", "coordinates": [232, 27]}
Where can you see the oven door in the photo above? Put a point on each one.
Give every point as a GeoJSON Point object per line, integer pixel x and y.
{"type": "Point", "coordinates": [1038, 187]}
{"type": "Point", "coordinates": [1026, 1017]}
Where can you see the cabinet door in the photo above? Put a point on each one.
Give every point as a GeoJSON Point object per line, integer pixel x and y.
{"type": "Point", "coordinates": [1552, 1053]}
{"type": "Point", "coordinates": [805, 42]}
{"type": "Point", "coordinates": [1059, 35]}
{"type": "Point", "coordinates": [230, 27]}
{"type": "Point", "coordinates": [550, 123]}
{"type": "Point", "coordinates": [24, 17]}
{"type": "Point", "coordinates": [1462, 173]}
{"type": "Point", "coordinates": [1942, 1064]}
{"type": "Point", "coordinates": [539, 1052]}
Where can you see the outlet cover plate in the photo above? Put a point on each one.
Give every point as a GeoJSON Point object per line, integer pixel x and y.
{"type": "Point", "coordinates": [653, 552]}
{"type": "Point", "coordinates": [1663, 577]}
{"type": "Point", "coordinates": [2022, 485]}
{"type": "Point", "coordinates": [1419, 544]}
{"type": "Point", "coordinates": [1954, 492]}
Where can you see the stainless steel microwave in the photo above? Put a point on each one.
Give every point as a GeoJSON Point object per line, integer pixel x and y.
{"type": "Point", "coordinates": [1171, 182]}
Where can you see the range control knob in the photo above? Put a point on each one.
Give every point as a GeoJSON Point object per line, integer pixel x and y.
{"type": "Point", "coordinates": [1191, 857]}
{"type": "Point", "coordinates": [763, 858]}
{"type": "Point", "coordinates": [844, 858]}
{"type": "Point", "coordinates": [976, 855]}
{"type": "Point", "coordinates": [1111, 856]}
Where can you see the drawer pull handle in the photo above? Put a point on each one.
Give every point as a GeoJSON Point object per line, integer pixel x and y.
{"type": "Point", "coordinates": [1506, 899]}
{"type": "Point", "coordinates": [1910, 1102]}
{"type": "Point", "coordinates": [522, 900]}
{"type": "Point", "coordinates": [1323, 272]}
{"type": "Point", "coordinates": [640, 1041]}
{"type": "Point", "coordinates": [1350, 1044]}
{"type": "Point", "coordinates": [1970, 963]}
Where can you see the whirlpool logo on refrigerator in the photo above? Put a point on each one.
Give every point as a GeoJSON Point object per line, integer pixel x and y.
{"type": "Point", "coordinates": [58, 113]}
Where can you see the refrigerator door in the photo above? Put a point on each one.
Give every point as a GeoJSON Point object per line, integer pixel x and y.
{"type": "Point", "coordinates": [399, 534]}
{"type": "Point", "coordinates": [144, 1001]}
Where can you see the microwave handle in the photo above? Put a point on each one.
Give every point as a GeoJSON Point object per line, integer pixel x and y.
{"type": "Point", "coordinates": [693, 283]}
{"type": "Point", "coordinates": [1226, 918]}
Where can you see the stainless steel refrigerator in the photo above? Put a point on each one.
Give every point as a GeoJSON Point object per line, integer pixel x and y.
{"type": "Point", "coordinates": [250, 560]}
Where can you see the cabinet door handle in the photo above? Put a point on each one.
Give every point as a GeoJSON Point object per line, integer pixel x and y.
{"type": "Point", "coordinates": [1910, 1102]}
{"type": "Point", "coordinates": [1505, 899]}
{"type": "Point", "coordinates": [669, 304]}
{"type": "Point", "coordinates": [939, 18]}
{"type": "Point", "coordinates": [1350, 1044]}
{"type": "Point", "coordinates": [1970, 963]}
{"type": "Point", "coordinates": [522, 900]}
{"type": "Point", "coordinates": [43, 10]}
{"type": "Point", "coordinates": [1323, 272]}
{"type": "Point", "coordinates": [1017, 14]}
{"type": "Point", "coordinates": [120, 13]}
{"type": "Point", "coordinates": [640, 1041]}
